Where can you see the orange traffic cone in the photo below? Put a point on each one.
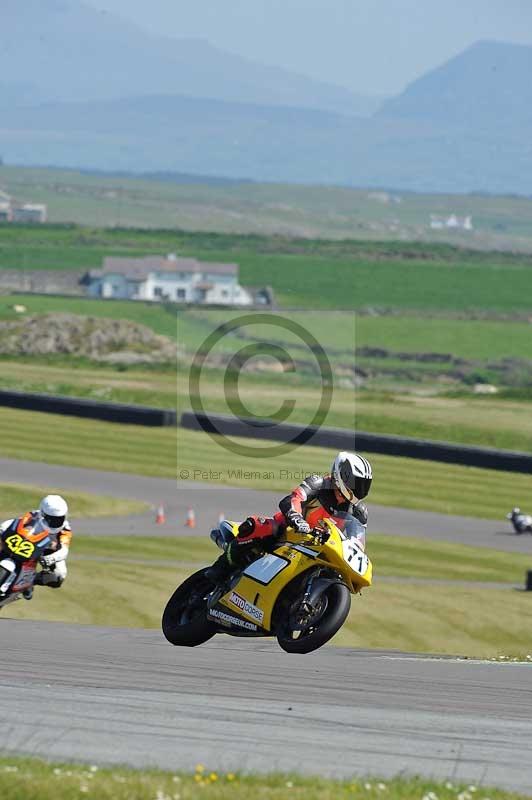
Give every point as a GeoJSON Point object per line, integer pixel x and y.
{"type": "Point", "coordinates": [160, 518]}
{"type": "Point", "coordinates": [191, 519]}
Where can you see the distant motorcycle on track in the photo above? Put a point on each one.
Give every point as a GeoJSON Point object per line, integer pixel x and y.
{"type": "Point", "coordinates": [300, 593]}
{"type": "Point", "coordinates": [522, 522]}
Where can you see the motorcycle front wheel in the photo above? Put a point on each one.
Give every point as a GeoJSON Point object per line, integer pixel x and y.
{"type": "Point", "coordinates": [4, 575]}
{"type": "Point", "coordinates": [305, 631]}
{"type": "Point", "coordinates": [184, 621]}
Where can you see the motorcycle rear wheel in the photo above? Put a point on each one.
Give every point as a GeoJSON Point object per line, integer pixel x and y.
{"type": "Point", "coordinates": [184, 620]}
{"type": "Point", "coordinates": [336, 603]}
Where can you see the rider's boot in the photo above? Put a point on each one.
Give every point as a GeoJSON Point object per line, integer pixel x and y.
{"type": "Point", "coordinates": [45, 578]}
{"type": "Point", "coordinates": [220, 570]}
{"type": "Point", "coordinates": [27, 594]}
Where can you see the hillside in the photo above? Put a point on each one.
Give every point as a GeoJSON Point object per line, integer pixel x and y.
{"type": "Point", "coordinates": [464, 127]}
{"type": "Point", "coordinates": [487, 86]}
{"type": "Point", "coordinates": [73, 52]}
{"type": "Point", "coordinates": [190, 203]}
{"type": "Point", "coordinates": [268, 143]}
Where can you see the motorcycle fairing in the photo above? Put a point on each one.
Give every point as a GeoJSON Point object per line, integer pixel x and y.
{"type": "Point", "coordinates": [25, 577]}
{"type": "Point", "coordinates": [232, 622]}
{"type": "Point", "coordinates": [23, 541]}
{"type": "Point", "coordinates": [253, 595]}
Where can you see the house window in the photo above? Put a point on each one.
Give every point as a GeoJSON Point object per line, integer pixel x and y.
{"type": "Point", "coordinates": [158, 292]}
{"type": "Point", "coordinates": [180, 294]}
{"type": "Point", "coordinates": [224, 293]}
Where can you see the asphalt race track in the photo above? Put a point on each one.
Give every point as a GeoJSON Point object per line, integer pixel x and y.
{"type": "Point", "coordinates": [210, 501]}
{"type": "Point", "coordinates": [110, 695]}
{"type": "Point", "coordinates": [103, 695]}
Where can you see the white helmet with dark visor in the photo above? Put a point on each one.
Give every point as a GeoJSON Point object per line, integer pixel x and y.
{"type": "Point", "coordinates": [352, 476]}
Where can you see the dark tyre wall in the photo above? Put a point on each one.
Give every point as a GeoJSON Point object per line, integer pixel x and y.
{"type": "Point", "coordinates": [93, 409]}
{"type": "Point", "coordinates": [340, 439]}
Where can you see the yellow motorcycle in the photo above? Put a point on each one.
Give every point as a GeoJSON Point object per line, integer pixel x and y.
{"type": "Point", "coordinates": [300, 593]}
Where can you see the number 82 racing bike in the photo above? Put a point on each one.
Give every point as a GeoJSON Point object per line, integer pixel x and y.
{"type": "Point", "coordinates": [300, 593]}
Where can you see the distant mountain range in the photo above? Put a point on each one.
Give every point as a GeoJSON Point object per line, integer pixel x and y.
{"type": "Point", "coordinates": [66, 50]}
{"type": "Point", "coordinates": [489, 85]}
{"type": "Point", "coordinates": [93, 91]}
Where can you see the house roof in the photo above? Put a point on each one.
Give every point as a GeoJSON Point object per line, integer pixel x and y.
{"type": "Point", "coordinates": [141, 268]}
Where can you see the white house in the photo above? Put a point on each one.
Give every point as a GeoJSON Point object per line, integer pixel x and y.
{"type": "Point", "coordinates": [181, 280]}
{"type": "Point", "coordinates": [452, 221]}
{"type": "Point", "coordinates": [27, 212]}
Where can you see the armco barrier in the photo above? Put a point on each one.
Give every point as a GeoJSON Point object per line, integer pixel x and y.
{"type": "Point", "coordinates": [340, 439]}
{"type": "Point", "coordinates": [93, 409]}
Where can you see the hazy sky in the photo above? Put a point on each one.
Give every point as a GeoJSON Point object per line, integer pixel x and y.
{"type": "Point", "coordinates": [373, 46]}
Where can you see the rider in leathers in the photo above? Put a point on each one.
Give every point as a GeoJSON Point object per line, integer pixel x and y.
{"type": "Point", "coordinates": [318, 496]}
{"type": "Point", "coordinates": [51, 516]}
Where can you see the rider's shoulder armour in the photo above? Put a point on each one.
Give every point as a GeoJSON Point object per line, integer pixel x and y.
{"type": "Point", "coordinates": [26, 522]}
{"type": "Point", "coordinates": [360, 511]}
{"type": "Point", "coordinates": [312, 485]}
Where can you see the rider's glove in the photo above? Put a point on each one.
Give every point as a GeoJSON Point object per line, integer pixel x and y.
{"type": "Point", "coordinates": [48, 561]}
{"type": "Point", "coordinates": [247, 527]}
{"type": "Point", "coordinates": [298, 523]}
{"type": "Point", "coordinates": [320, 534]}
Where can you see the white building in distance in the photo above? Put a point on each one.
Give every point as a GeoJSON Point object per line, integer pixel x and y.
{"type": "Point", "coordinates": [26, 212]}
{"type": "Point", "coordinates": [174, 279]}
{"type": "Point", "coordinates": [452, 221]}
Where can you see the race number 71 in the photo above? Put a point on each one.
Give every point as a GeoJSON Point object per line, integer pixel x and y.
{"type": "Point", "coordinates": [357, 560]}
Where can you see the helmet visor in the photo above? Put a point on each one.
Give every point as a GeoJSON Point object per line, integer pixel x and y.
{"type": "Point", "coordinates": [362, 487]}
{"type": "Point", "coordinates": [54, 522]}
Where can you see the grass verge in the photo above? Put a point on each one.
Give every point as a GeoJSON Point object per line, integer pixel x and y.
{"type": "Point", "coordinates": [88, 443]}
{"type": "Point", "coordinates": [167, 452]}
{"type": "Point", "coordinates": [131, 588]}
{"type": "Point", "coordinates": [398, 556]}
{"type": "Point", "coordinates": [33, 779]}
{"type": "Point", "coordinates": [16, 498]}
{"type": "Point", "coordinates": [490, 421]}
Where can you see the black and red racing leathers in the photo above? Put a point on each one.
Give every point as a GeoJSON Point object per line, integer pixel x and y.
{"type": "Point", "coordinates": [309, 502]}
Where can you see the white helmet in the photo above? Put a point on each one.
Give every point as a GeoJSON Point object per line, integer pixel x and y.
{"type": "Point", "coordinates": [53, 510]}
{"type": "Point", "coordinates": [352, 475]}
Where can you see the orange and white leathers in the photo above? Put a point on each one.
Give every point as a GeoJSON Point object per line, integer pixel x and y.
{"type": "Point", "coordinates": [55, 571]}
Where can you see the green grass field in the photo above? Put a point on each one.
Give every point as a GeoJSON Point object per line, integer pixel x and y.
{"type": "Point", "coordinates": [390, 351]}
{"type": "Point", "coordinates": [341, 333]}
{"type": "Point", "coordinates": [338, 334]}
{"type": "Point", "coordinates": [397, 275]}
{"type": "Point", "coordinates": [307, 211]}
{"type": "Point", "coordinates": [26, 778]}
{"type": "Point", "coordinates": [417, 302]}
{"type": "Point", "coordinates": [396, 614]}
{"type": "Point", "coordinates": [491, 421]}
{"type": "Point", "coordinates": [163, 452]}
{"type": "Point", "coordinates": [393, 556]}
{"type": "Point", "coordinates": [82, 378]}
{"type": "Point", "coordinates": [160, 319]}
{"type": "Point", "coordinates": [15, 499]}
